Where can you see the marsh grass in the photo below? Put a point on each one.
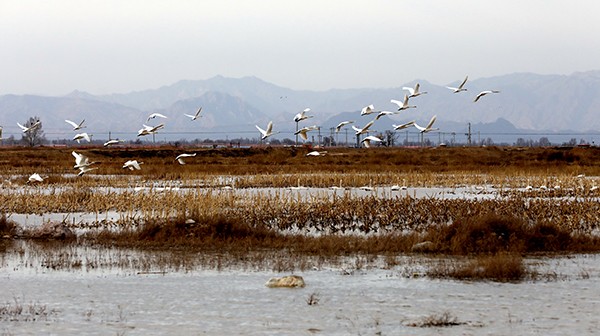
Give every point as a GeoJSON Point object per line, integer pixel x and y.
{"type": "Point", "coordinates": [17, 311]}
{"type": "Point", "coordinates": [500, 267]}
{"type": "Point", "coordinates": [445, 319]}
{"type": "Point", "coordinates": [7, 227]}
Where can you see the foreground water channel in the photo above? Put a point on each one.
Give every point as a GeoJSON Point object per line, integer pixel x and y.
{"type": "Point", "coordinates": [86, 290]}
{"type": "Point", "coordinates": [109, 291]}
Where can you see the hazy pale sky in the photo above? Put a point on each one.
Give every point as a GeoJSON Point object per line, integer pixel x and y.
{"type": "Point", "coordinates": [116, 46]}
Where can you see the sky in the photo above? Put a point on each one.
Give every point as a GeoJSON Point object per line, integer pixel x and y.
{"type": "Point", "coordinates": [115, 46]}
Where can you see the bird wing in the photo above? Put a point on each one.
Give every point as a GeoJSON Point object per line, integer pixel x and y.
{"type": "Point", "coordinates": [190, 116]}
{"type": "Point", "coordinates": [420, 128]}
{"type": "Point", "coordinates": [368, 125]}
{"type": "Point", "coordinates": [180, 160]}
{"type": "Point", "coordinates": [481, 94]}
{"type": "Point", "coordinates": [270, 127]}
{"type": "Point", "coordinates": [463, 82]}
{"type": "Point", "coordinates": [431, 122]}
{"type": "Point", "coordinates": [356, 128]}
{"type": "Point", "coordinates": [303, 134]}
{"type": "Point", "coordinates": [23, 127]}
{"type": "Point", "coordinates": [397, 102]}
{"type": "Point", "coordinates": [262, 131]}
{"type": "Point", "coordinates": [409, 89]}
{"type": "Point", "coordinates": [71, 123]}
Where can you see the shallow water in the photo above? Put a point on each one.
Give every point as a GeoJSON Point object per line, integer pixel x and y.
{"type": "Point", "coordinates": [375, 300]}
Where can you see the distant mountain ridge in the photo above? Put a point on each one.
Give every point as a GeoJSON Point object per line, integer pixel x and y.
{"type": "Point", "coordinates": [544, 103]}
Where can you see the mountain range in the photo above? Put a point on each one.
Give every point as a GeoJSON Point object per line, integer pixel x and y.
{"type": "Point", "coordinates": [527, 104]}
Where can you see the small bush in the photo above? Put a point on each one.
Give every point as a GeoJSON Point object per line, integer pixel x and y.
{"type": "Point", "coordinates": [494, 234]}
{"type": "Point", "coordinates": [503, 267]}
{"type": "Point", "coordinates": [7, 227]}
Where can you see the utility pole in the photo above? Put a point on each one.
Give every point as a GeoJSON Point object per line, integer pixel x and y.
{"type": "Point", "coordinates": [346, 137]}
{"type": "Point", "coordinates": [319, 129]}
{"type": "Point", "coordinates": [469, 135]}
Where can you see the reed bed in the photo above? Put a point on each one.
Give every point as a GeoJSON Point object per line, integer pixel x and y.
{"type": "Point", "coordinates": [546, 198]}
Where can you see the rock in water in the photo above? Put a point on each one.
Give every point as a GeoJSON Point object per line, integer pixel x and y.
{"type": "Point", "coordinates": [289, 281]}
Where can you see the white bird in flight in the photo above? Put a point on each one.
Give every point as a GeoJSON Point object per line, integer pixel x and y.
{"type": "Point", "coordinates": [483, 93]}
{"type": "Point", "coordinates": [402, 105]}
{"type": "Point", "coordinates": [403, 126]}
{"type": "Point", "coordinates": [384, 113]}
{"type": "Point", "coordinates": [367, 140]}
{"type": "Point", "coordinates": [195, 116]}
{"type": "Point", "coordinates": [75, 125]}
{"type": "Point", "coordinates": [81, 160]}
{"type": "Point", "coordinates": [35, 177]}
{"type": "Point", "coordinates": [427, 128]}
{"type": "Point", "coordinates": [154, 115]}
{"type": "Point", "coordinates": [132, 165]}
{"type": "Point", "coordinates": [460, 87]}
{"type": "Point", "coordinates": [146, 130]}
{"type": "Point", "coordinates": [81, 136]}
{"type": "Point", "coordinates": [367, 110]}
{"type": "Point", "coordinates": [112, 142]}
{"type": "Point", "coordinates": [316, 153]}
{"type": "Point", "coordinates": [363, 130]}
{"type": "Point", "coordinates": [302, 115]}
{"type": "Point", "coordinates": [30, 128]}
{"type": "Point", "coordinates": [180, 157]}
{"type": "Point", "coordinates": [304, 130]}
{"type": "Point", "coordinates": [83, 170]}
{"type": "Point", "coordinates": [342, 124]}
{"type": "Point", "coordinates": [266, 133]}
{"type": "Point", "coordinates": [414, 92]}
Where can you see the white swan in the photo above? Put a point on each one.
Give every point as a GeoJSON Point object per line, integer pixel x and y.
{"type": "Point", "coordinates": [35, 177]}
{"type": "Point", "coordinates": [147, 130]}
{"type": "Point", "coordinates": [338, 128]}
{"type": "Point", "coordinates": [403, 126]}
{"type": "Point", "coordinates": [483, 93]}
{"type": "Point", "coordinates": [427, 128]}
{"type": "Point", "coordinates": [302, 115]}
{"type": "Point", "coordinates": [367, 140]}
{"type": "Point", "coordinates": [414, 92]}
{"type": "Point", "coordinates": [367, 110]}
{"type": "Point", "coordinates": [112, 142]}
{"type": "Point", "coordinates": [363, 130]}
{"type": "Point", "coordinates": [75, 125]}
{"type": "Point", "coordinates": [460, 88]}
{"type": "Point", "coordinates": [180, 157]}
{"type": "Point", "coordinates": [81, 160]}
{"type": "Point", "coordinates": [316, 153]}
{"type": "Point", "coordinates": [402, 105]}
{"type": "Point", "coordinates": [83, 170]}
{"type": "Point", "coordinates": [81, 136]}
{"type": "Point", "coordinates": [132, 165]}
{"type": "Point", "coordinates": [266, 133]}
{"type": "Point", "coordinates": [304, 130]}
{"type": "Point", "coordinates": [155, 115]}
{"type": "Point", "coordinates": [30, 128]}
{"type": "Point", "coordinates": [195, 116]}
{"type": "Point", "coordinates": [384, 113]}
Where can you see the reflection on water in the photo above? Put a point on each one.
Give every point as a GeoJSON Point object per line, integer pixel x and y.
{"type": "Point", "coordinates": [110, 291]}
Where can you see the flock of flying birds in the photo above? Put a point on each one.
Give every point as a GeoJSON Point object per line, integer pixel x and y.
{"type": "Point", "coordinates": [370, 109]}
{"type": "Point", "coordinates": [84, 165]}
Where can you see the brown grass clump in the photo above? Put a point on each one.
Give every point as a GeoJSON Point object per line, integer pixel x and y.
{"type": "Point", "coordinates": [207, 233]}
{"type": "Point", "coordinates": [8, 228]}
{"type": "Point", "coordinates": [502, 267]}
{"type": "Point", "coordinates": [490, 233]}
